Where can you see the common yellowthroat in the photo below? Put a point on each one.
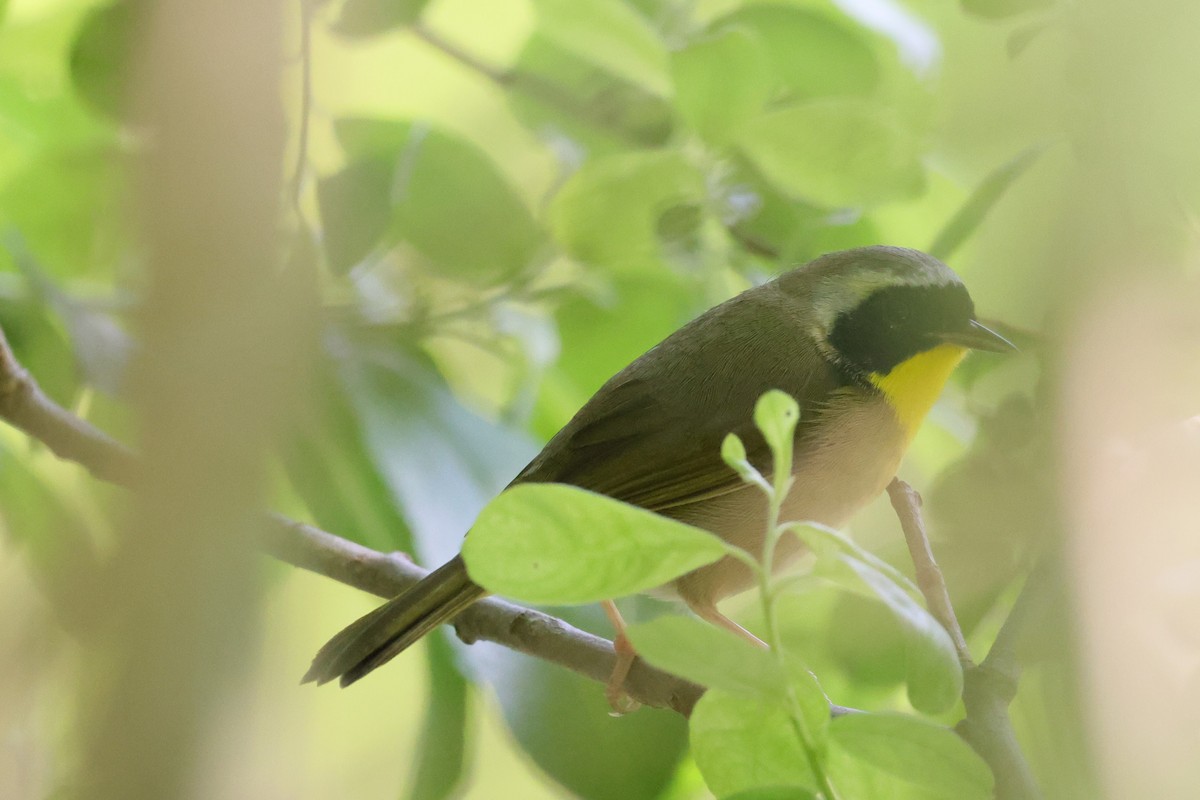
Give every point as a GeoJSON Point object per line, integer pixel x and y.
{"type": "Point", "coordinates": [863, 339]}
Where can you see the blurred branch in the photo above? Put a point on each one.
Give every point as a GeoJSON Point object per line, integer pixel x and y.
{"type": "Point", "coordinates": [25, 406]}
{"type": "Point", "coordinates": [988, 688]}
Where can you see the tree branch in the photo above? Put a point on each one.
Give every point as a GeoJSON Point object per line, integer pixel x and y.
{"type": "Point", "coordinates": [988, 688]}
{"type": "Point", "coordinates": [25, 406]}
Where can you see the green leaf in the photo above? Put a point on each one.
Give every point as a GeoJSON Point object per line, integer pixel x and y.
{"type": "Point", "coordinates": [933, 672]}
{"type": "Point", "coordinates": [776, 414]}
{"type": "Point", "coordinates": [100, 56]}
{"type": "Point", "coordinates": [708, 656]}
{"type": "Point", "coordinates": [741, 744]}
{"type": "Point", "coordinates": [607, 214]}
{"type": "Point", "coordinates": [968, 218]}
{"type": "Point", "coordinates": [371, 17]}
{"type": "Point", "coordinates": [355, 211]}
{"type": "Point", "coordinates": [720, 82]}
{"type": "Point", "coordinates": [811, 54]}
{"type": "Point", "coordinates": [774, 793]}
{"type": "Point", "coordinates": [921, 753]}
{"type": "Point", "coordinates": [553, 543]}
{"type": "Point", "coordinates": [331, 470]}
{"type": "Point", "coordinates": [442, 752]}
{"type": "Point", "coordinates": [562, 721]}
{"type": "Point", "coordinates": [439, 186]}
{"type": "Point", "coordinates": [825, 541]}
{"type": "Point", "coordinates": [835, 152]}
{"type": "Point", "coordinates": [609, 34]}
{"type": "Point", "coordinates": [440, 461]}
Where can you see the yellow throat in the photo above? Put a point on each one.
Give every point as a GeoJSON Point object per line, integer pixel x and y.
{"type": "Point", "coordinates": [912, 387]}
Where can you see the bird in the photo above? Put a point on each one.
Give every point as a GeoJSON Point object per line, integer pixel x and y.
{"type": "Point", "coordinates": [863, 339]}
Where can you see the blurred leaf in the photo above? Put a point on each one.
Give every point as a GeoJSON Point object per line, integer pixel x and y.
{"type": "Point", "coordinates": [355, 206]}
{"type": "Point", "coordinates": [720, 82]}
{"type": "Point", "coordinates": [811, 54]}
{"type": "Point", "coordinates": [445, 196]}
{"type": "Point", "coordinates": [39, 518]}
{"type": "Point", "coordinates": [607, 213]}
{"type": "Point", "coordinates": [741, 744]}
{"type": "Point", "coordinates": [707, 655]}
{"type": "Point", "coordinates": [835, 152]}
{"type": "Point", "coordinates": [69, 206]}
{"type": "Point", "coordinates": [580, 108]}
{"type": "Point", "coordinates": [41, 347]}
{"type": "Point", "coordinates": [333, 473]}
{"type": "Point", "coordinates": [999, 9]}
{"type": "Point", "coordinates": [553, 543]}
{"type": "Point", "coordinates": [774, 793]}
{"type": "Point", "coordinates": [370, 17]}
{"type": "Point", "coordinates": [562, 721]}
{"type": "Point", "coordinates": [441, 755]}
{"type": "Point", "coordinates": [826, 541]}
{"type": "Point", "coordinates": [440, 461]}
{"type": "Point", "coordinates": [609, 34]}
{"type": "Point", "coordinates": [926, 755]}
{"type": "Point", "coordinates": [972, 213]}
{"type": "Point", "coordinates": [100, 55]}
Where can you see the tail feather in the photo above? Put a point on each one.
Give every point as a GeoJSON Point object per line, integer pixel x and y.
{"type": "Point", "coordinates": [381, 635]}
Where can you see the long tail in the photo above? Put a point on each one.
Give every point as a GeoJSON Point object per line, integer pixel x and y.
{"type": "Point", "coordinates": [381, 635]}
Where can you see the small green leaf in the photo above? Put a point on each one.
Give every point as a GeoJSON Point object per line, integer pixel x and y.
{"type": "Point", "coordinates": [607, 213]}
{"type": "Point", "coordinates": [708, 656]}
{"type": "Point", "coordinates": [720, 82]}
{"type": "Point", "coordinates": [933, 672]}
{"type": "Point", "coordinates": [921, 753]}
{"type": "Point", "coordinates": [825, 541]}
{"type": "Point", "coordinates": [610, 34]}
{"type": "Point", "coordinates": [811, 54]}
{"type": "Point", "coordinates": [552, 543]}
{"type": "Point", "coordinates": [837, 152]}
{"type": "Point", "coordinates": [742, 744]}
{"type": "Point", "coordinates": [776, 415]}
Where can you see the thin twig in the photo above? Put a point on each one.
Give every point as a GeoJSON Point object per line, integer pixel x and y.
{"type": "Point", "coordinates": [25, 406]}
{"type": "Point", "coordinates": [907, 504]}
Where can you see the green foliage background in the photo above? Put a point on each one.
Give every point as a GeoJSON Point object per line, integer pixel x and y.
{"type": "Point", "coordinates": [508, 201]}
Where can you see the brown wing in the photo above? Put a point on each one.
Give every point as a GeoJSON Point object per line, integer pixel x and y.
{"type": "Point", "coordinates": [652, 435]}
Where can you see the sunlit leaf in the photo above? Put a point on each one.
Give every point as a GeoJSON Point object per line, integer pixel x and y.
{"type": "Point", "coordinates": [921, 753]}
{"type": "Point", "coordinates": [741, 744]}
{"type": "Point", "coordinates": [708, 656]}
{"type": "Point", "coordinates": [835, 152]}
{"type": "Point", "coordinates": [607, 213]}
{"type": "Point", "coordinates": [610, 34]}
{"type": "Point", "coordinates": [434, 186]}
{"type": "Point", "coordinates": [552, 543]}
{"type": "Point", "coordinates": [811, 53]}
{"type": "Point", "coordinates": [774, 793]}
{"type": "Point", "coordinates": [720, 82]}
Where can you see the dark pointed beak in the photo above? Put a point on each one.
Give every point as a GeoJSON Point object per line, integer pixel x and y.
{"type": "Point", "coordinates": [978, 336]}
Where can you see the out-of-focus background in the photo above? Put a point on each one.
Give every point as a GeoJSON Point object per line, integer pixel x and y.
{"type": "Point", "coordinates": [425, 231]}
